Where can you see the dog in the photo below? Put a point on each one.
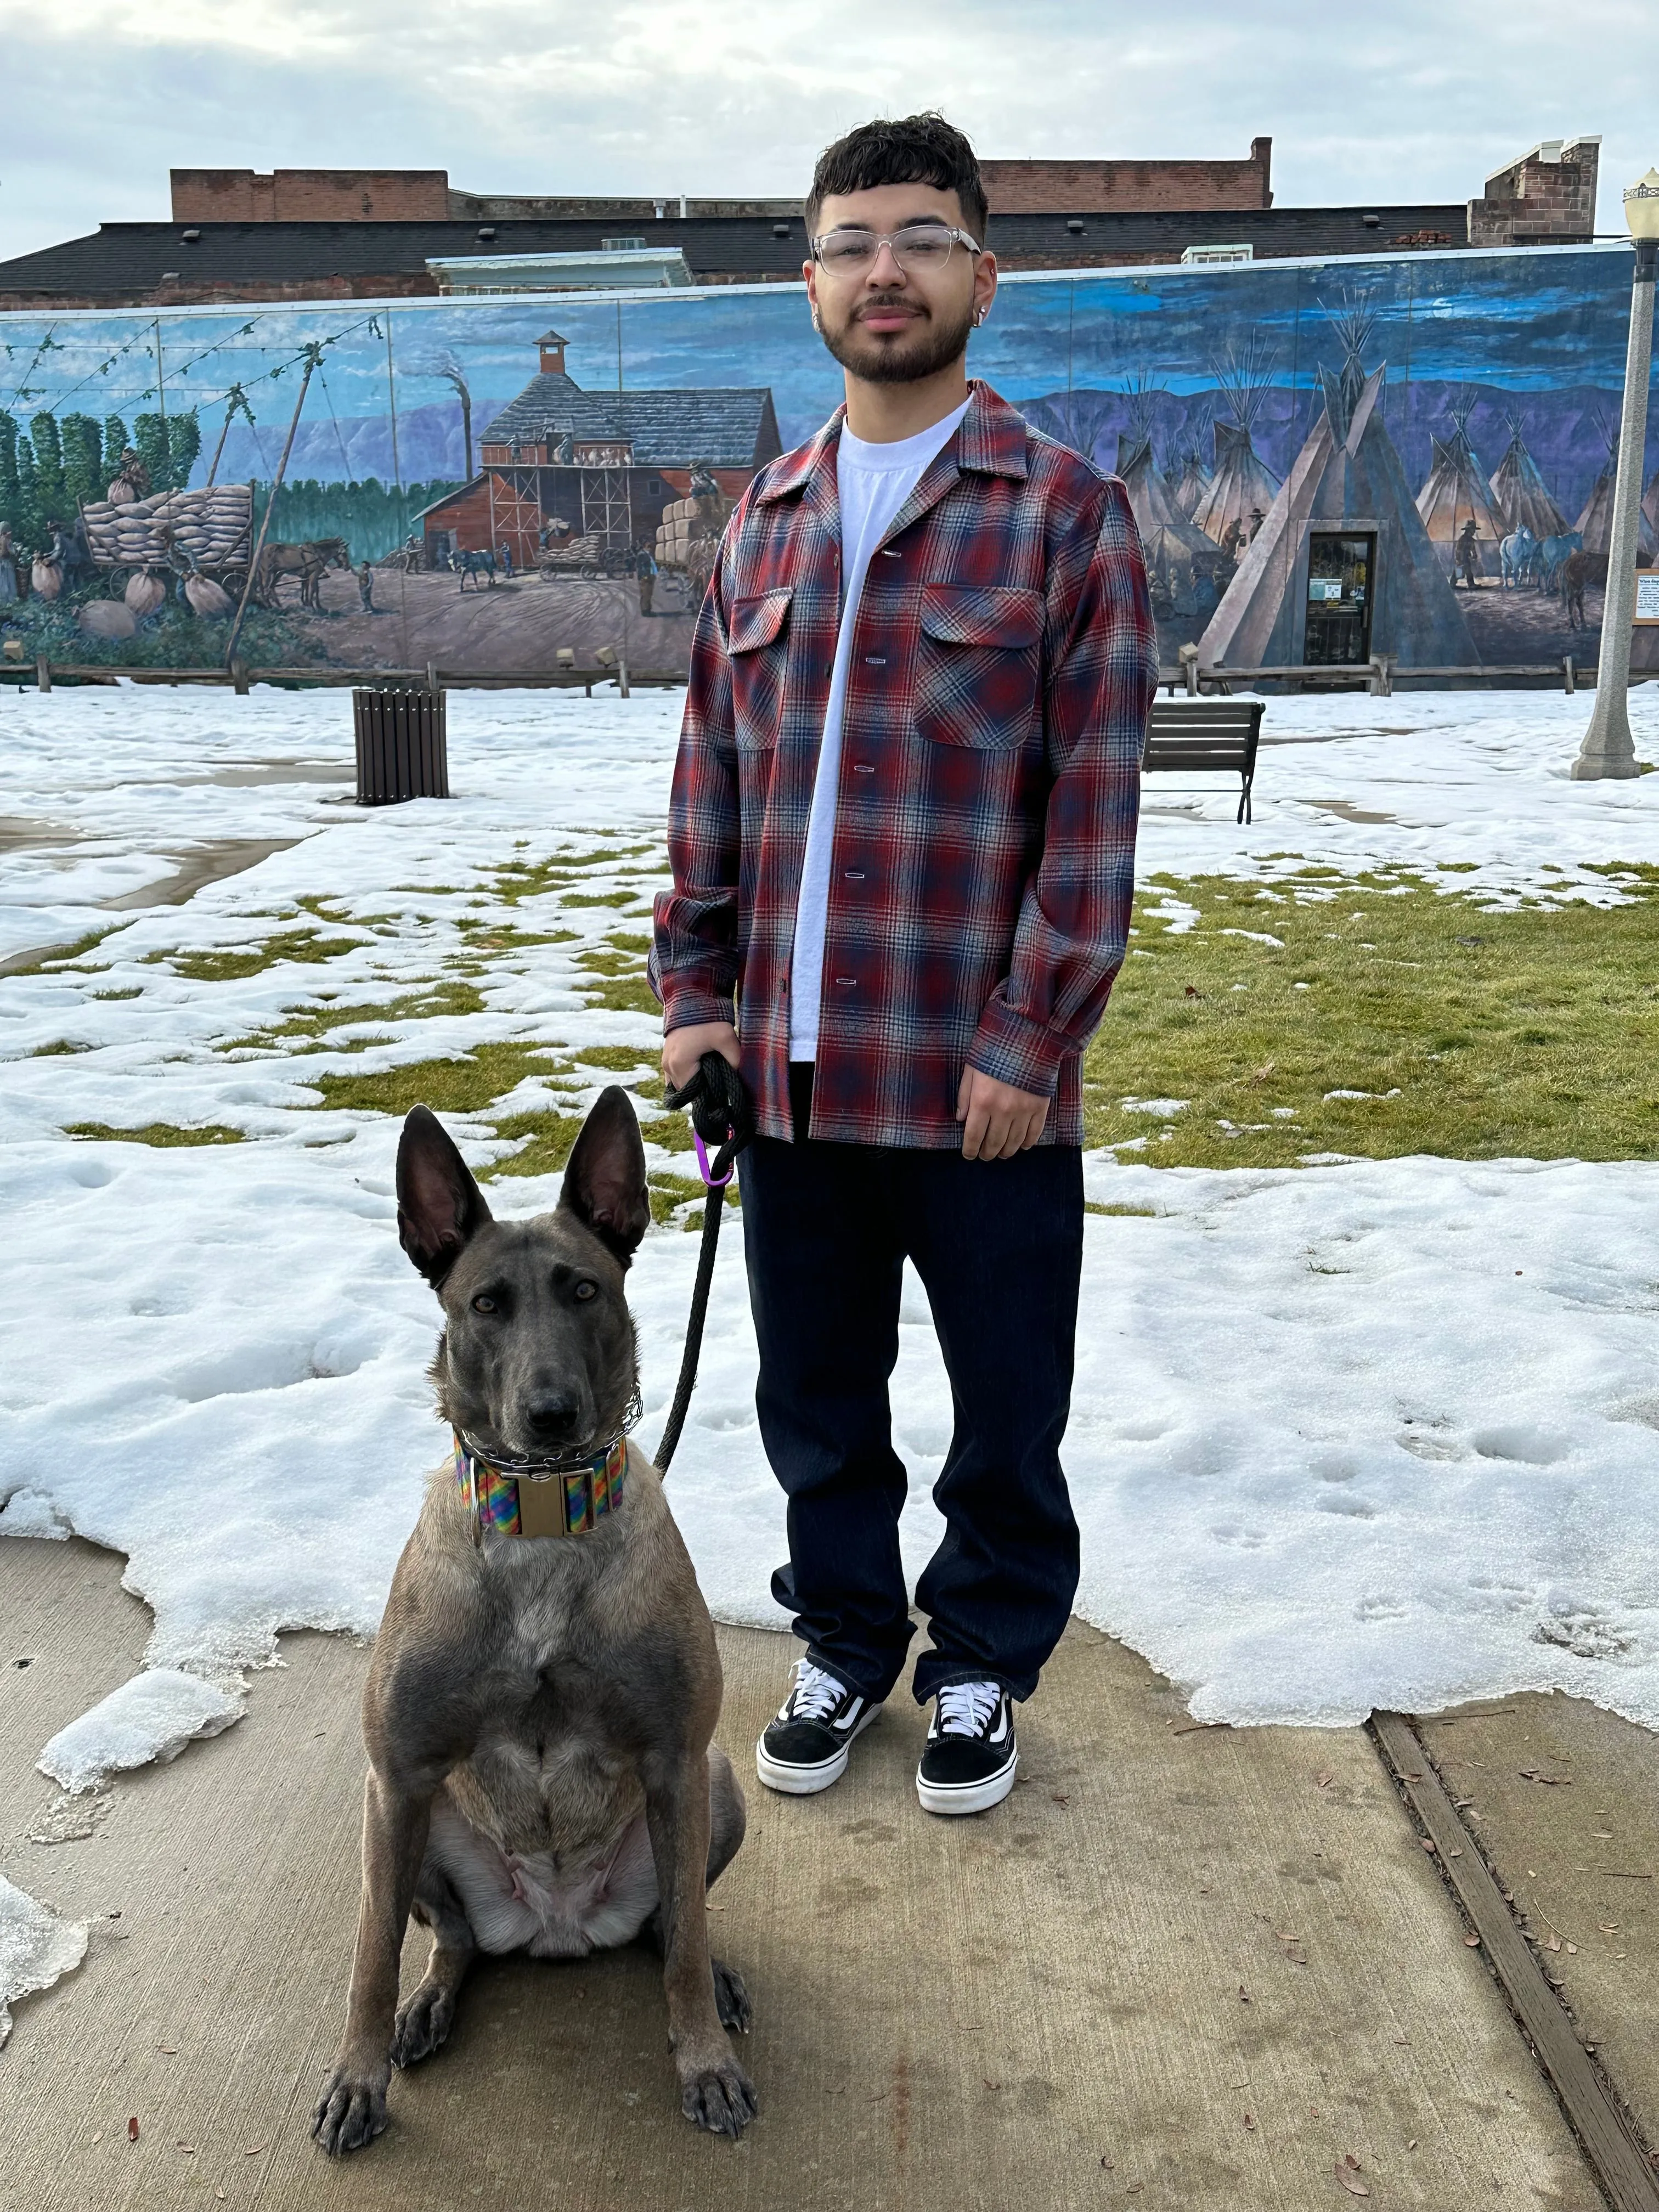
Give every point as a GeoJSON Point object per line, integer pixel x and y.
{"type": "Point", "coordinates": [540, 1707]}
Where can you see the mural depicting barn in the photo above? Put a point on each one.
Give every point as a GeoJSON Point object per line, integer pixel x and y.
{"type": "Point", "coordinates": [1407, 452]}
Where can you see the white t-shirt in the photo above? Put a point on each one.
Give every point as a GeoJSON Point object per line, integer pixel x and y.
{"type": "Point", "coordinates": [874, 481]}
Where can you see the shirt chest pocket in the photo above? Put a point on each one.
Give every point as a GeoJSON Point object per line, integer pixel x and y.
{"type": "Point", "coordinates": [978, 661]}
{"type": "Point", "coordinates": [757, 644]}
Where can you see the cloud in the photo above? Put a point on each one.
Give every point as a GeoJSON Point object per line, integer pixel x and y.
{"type": "Point", "coordinates": [1415, 102]}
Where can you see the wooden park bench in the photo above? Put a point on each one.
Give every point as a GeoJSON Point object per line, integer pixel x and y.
{"type": "Point", "coordinates": [1204, 734]}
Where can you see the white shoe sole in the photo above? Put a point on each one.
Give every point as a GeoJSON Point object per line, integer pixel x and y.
{"type": "Point", "coordinates": [969, 1796]}
{"type": "Point", "coordinates": [806, 1781]}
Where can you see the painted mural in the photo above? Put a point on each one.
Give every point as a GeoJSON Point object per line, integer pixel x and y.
{"type": "Point", "coordinates": [1411, 456]}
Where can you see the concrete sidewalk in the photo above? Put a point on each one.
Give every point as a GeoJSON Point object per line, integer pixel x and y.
{"type": "Point", "coordinates": [1181, 1967]}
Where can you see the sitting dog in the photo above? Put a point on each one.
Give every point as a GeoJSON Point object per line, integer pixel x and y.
{"type": "Point", "coordinates": [539, 1709]}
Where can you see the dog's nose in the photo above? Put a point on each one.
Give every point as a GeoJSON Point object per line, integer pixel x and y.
{"type": "Point", "coordinates": [553, 1418]}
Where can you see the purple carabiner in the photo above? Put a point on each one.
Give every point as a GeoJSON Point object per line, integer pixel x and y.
{"type": "Point", "coordinates": [702, 1162]}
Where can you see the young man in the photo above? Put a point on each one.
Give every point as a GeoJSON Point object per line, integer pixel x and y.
{"type": "Point", "coordinates": [903, 838]}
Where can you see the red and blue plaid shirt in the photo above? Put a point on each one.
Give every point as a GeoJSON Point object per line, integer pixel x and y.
{"type": "Point", "coordinates": [1003, 665]}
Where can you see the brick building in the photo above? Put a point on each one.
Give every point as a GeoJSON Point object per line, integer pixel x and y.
{"type": "Point", "coordinates": [239, 235]}
{"type": "Point", "coordinates": [559, 462]}
{"type": "Point", "coordinates": [1546, 198]}
{"type": "Point", "coordinates": [1130, 187]}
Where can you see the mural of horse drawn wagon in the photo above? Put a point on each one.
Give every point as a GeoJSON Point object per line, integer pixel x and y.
{"type": "Point", "coordinates": [207, 535]}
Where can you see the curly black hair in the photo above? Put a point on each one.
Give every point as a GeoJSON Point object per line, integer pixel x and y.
{"type": "Point", "coordinates": [913, 149]}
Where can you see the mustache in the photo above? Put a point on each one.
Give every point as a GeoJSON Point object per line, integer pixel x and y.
{"type": "Point", "coordinates": [886, 305]}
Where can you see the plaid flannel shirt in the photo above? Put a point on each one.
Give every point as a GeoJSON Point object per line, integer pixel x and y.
{"type": "Point", "coordinates": [1003, 666]}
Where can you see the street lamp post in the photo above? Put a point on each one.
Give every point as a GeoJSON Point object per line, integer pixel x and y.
{"type": "Point", "coordinates": [1608, 750]}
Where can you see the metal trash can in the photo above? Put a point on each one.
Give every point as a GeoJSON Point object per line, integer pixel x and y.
{"type": "Point", "coordinates": [403, 748]}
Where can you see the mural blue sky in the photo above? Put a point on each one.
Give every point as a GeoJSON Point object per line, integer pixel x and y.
{"type": "Point", "coordinates": [1416, 100]}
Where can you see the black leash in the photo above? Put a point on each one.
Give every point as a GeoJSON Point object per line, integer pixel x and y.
{"type": "Point", "coordinates": [722, 1113]}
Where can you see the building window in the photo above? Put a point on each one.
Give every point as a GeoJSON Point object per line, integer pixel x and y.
{"type": "Point", "coordinates": [623, 245]}
{"type": "Point", "coordinates": [654, 487]}
{"type": "Point", "coordinates": [1341, 571]}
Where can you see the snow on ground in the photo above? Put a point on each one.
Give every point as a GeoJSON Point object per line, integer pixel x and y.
{"type": "Point", "coordinates": [1355, 1435]}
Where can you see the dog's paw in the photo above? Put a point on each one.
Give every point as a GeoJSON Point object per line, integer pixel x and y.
{"type": "Point", "coordinates": [423, 2024]}
{"type": "Point", "coordinates": [720, 2097]}
{"type": "Point", "coordinates": [350, 2113]}
{"type": "Point", "coordinates": [731, 1998]}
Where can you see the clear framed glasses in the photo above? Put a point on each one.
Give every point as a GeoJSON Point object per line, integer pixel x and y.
{"type": "Point", "coordinates": [921, 249]}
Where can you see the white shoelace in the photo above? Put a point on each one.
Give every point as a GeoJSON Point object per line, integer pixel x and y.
{"type": "Point", "coordinates": [816, 1694]}
{"type": "Point", "coordinates": [965, 1708]}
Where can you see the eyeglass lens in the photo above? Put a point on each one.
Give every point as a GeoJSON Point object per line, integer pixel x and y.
{"type": "Point", "coordinates": [923, 246]}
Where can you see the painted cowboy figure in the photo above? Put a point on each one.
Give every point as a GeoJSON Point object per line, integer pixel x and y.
{"type": "Point", "coordinates": [902, 833]}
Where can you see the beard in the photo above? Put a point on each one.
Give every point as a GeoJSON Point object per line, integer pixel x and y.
{"type": "Point", "coordinates": [906, 357]}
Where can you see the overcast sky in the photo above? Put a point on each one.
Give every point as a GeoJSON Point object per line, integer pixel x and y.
{"type": "Point", "coordinates": [1404, 100]}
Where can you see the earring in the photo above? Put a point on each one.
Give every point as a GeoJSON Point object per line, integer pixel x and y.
{"type": "Point", "coordinates": [816, 325]}
{"type": "Point", "coordinates": [979, 317]}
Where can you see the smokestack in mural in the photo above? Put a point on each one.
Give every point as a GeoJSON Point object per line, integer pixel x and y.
{"type": "Point", "coordinates": [1345, 528]}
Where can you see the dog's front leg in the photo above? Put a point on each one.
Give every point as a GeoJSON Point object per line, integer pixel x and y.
{"type": "Point", "coordinates": [714, 2091]}
{"type": "Point", "coordinates": [351, 2110]}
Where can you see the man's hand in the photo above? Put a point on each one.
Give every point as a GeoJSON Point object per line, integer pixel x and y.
{"type": "Point", "coordinates": [1000, 1121]}
{"type": "Point", "coordinates": [682, 1048]}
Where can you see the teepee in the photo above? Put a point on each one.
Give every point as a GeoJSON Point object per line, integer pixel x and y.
{"type": "Point", "coordinates": [1457, 492]}
{"type": "Point", "coordinates": [1193, 476]}
{"type": "Point", "coordinates": [1242, 486]}
{"type": "Point", "coordinates": [1519, 492]}
{"type": "Point", "coordinates": [1595, 525]}
{"type": "Point", "coordinates": [1348, 471]}
{"type": "Point", "coordinates": [1177, 553]}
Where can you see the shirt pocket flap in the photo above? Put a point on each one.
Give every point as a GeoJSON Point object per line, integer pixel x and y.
{"type": "Point", "coordinates": [981, 614]}
{"type": "Point", "coordinates": [759, 621]}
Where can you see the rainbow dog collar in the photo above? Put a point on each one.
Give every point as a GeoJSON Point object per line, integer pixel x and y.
{"type": "Point", "coordinates": [556, 1504]}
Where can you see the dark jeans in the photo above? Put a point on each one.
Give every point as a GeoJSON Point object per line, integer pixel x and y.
{"type": "Point", "coordinates": [998, 1246]}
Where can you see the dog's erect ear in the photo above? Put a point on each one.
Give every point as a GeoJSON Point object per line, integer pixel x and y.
{"type": "Point", "coordinates": [605, 1179]}
{"type": "Point", "coordinates": [439, 1207]}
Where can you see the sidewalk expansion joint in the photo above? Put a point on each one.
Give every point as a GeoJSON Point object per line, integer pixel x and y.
{"type": "Point", "coordinates": [1605, 2131]}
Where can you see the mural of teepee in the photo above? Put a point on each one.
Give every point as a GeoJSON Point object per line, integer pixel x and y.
{"type": "Point", "coordinates": [1457, 494]}
{"type": "Point", "coordinates": [1242, 486]}
{"type": "Point", "coordinates": [1193, 476]}
{"type": "Point", "coordinates": [1595, 525]}
{"type": "Point", "coordinates": [1347, 475]}
{"type": "Point", "coordinates": [1178, 554]}
{"type": "Point", "coordinates": [1519, 492]}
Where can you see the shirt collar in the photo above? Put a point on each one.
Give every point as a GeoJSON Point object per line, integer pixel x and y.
{"type": "Point", "coordinates": [990, 441]}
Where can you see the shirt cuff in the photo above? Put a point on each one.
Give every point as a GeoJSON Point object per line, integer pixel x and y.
{"type": "Point", "coordinates": [687, 1000]}
{"type": "Point", "coordinates": [1011, 1047]}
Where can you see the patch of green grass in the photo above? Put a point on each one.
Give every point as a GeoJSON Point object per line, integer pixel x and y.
{"type": "Point", "coordinates": [461, 1086]}
{"type": "Point", "coordinates": [301, 947]}
{"type": "Point", "coordinates": [550, 1135]}
{"type": "Point", "coordinates": [1534, 1032]}
{"type": "Point", "coordinates": [1123, 1212]}
{"type": "Point", "coordinates": [166, 1134]}
{"type": "Point", "coordinates": [622, 1058]}
{"type": "Point", "coordinates": [599, 898]}
{"type": "Point", "coordinates": [59, 1048]}
{"type": "Point", "coordinates": [312, 1023]}
{"type": "Point", "coordinates": [133, 991]}
{"type": "Point", "coordinates": [51, 958]}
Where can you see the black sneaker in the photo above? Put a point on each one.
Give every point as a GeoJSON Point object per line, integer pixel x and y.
{"type": "Point", "coordinates": [805, 1749]}
{"type": "Point", "coordinates": [968, 1764]}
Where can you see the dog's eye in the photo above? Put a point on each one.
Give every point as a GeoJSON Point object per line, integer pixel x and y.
{"type": "Point", "coordinates": [586, 1289]}
{"type": "Point", "coordinates": [481, 1304]}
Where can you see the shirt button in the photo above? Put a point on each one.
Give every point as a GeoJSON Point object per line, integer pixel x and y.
{"type": "Point", "coordinates": [875, 660]}
{"type": "Point", "coordinates": [862, 768]}
{"type": "Point", "coordinates": [848, 982]}
{"type": "Point", "coordinates": [854, 875]}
